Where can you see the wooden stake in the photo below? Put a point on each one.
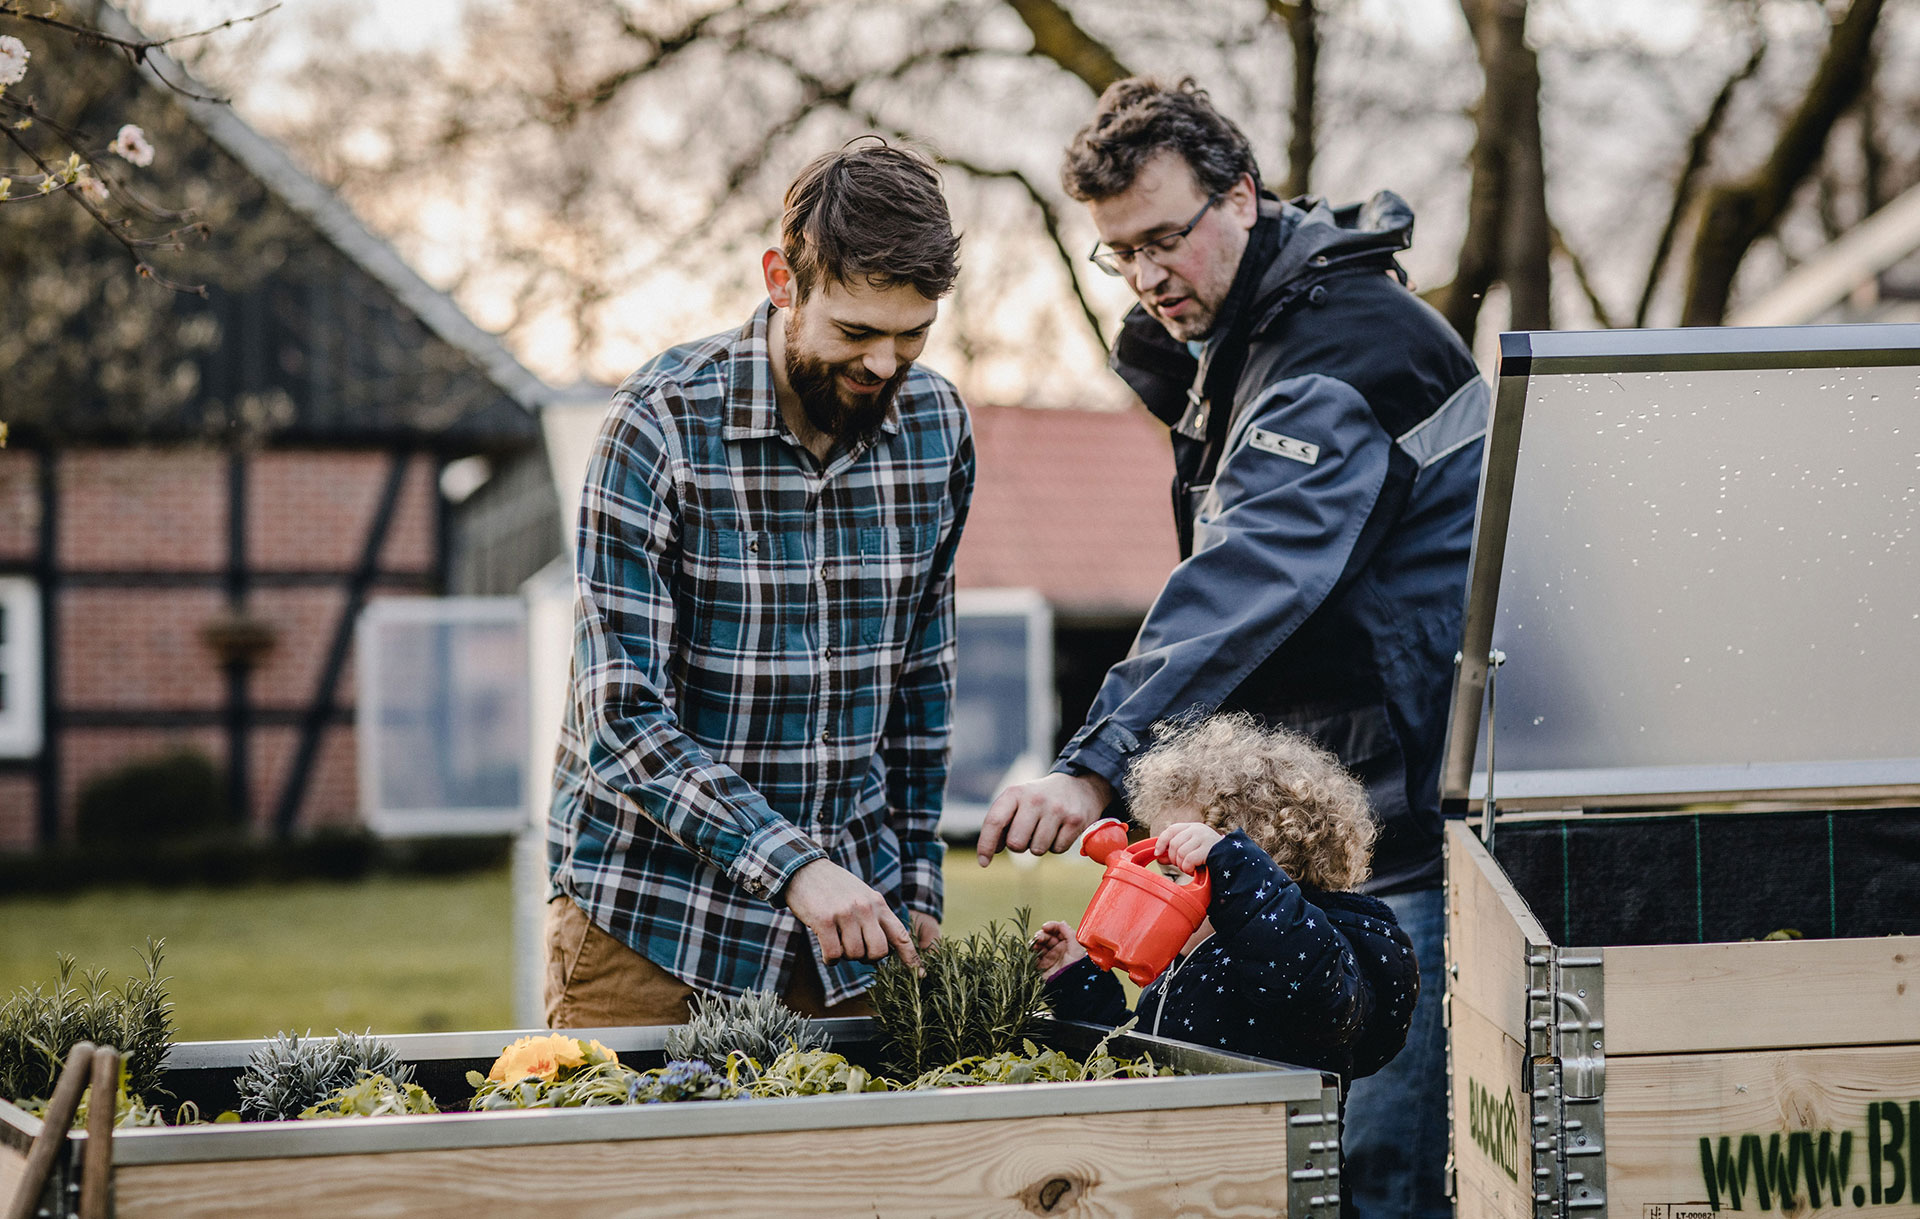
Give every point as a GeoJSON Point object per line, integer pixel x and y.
{"type": "Point", "coordinates": [53, 1131]}
{"type": "Point", "coordinates": [96, 1169]}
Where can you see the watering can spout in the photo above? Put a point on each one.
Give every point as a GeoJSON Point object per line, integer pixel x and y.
{"type": "Point", "coordinates": [1103, 839]}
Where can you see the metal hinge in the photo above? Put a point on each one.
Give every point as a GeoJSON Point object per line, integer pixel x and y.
{"type": "Point", "coordinates": [1313, 1157]}
{"type": "Point", "coordinates": [1567, 1055]}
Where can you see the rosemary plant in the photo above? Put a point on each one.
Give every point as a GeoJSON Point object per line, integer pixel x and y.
{"type": "Point", "coordinates": [38, 1028]}
{"type": "Point", "coordinates": [287, 1075]}
{"type": "Point", "coordinates": [978, 998]}
{"type": "Point", "coordinates": [756, 1024]}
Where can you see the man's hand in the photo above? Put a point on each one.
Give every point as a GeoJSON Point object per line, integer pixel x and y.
{"type": "Point", "coordinates": [1044, 815]}
{"type": "Point", "coordinates": [1054, 948]}
{"type": "Point", "coordinates": [849, 915]}
{"type": "Point", "coordinates": [1186, 844]}
{"type": "Point", "coordinates": [926, 929]}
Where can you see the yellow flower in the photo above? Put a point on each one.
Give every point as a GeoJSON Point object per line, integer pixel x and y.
{"type": "Point", "coordinates": [544, 1056]}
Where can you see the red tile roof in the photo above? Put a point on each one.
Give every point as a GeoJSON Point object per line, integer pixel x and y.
{"type": "Point", "coordinates": [1073, 503]}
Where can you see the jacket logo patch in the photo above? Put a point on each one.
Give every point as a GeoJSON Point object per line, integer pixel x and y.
{"type": "Point", "coordinates": [1285, 446]}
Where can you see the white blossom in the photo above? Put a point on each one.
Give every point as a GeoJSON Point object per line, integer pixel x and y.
{"type": "Point", "coordinates": [13, 60]}
{"type": "Point", "coordinates": [132, 146]}
{"type": "Point", "coordinates": [93, 189]}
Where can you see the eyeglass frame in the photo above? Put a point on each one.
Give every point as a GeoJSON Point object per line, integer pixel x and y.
{"type": "Point", "coordinates": [1166, 244]}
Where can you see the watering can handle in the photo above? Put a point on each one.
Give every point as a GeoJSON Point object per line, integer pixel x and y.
{"type": "Point", "coordinates": [1143, 852]}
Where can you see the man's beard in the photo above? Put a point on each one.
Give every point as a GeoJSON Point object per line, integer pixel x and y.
{"type": "Point", "coordinates": [851, 420]}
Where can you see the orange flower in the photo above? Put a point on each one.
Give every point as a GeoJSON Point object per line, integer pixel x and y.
{"type": "Point", "coordinates": [543, 1057]}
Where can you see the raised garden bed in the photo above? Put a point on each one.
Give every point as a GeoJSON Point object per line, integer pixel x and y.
{"type": "Point", "coordinates": [1236, 1136]}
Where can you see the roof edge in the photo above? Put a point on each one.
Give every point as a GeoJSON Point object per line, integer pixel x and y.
{"type": "Point", "coordinates": [319, 205]}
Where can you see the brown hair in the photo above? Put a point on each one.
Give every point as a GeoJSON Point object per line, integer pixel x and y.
{"type": "Point", "coordinates": [1292, 797]}
{"type": "Point", "coordinates": [873, 212]}
{"type": "Point", "coordinates": [1138, 117]}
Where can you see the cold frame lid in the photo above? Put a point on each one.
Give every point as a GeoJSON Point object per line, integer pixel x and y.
{"type": "Point", "coordinates": [1699, 553]}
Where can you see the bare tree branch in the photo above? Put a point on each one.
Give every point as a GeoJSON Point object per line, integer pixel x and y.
{"type": "Point", "coordinates": [1581, 277]}
{"type": "Point", "coordinates": [1734, 215]}
{"type": "Point", "coordinates": [1050, 219]}
{"type": "Point", "coordinates": [1057, 36]}
{"type": "Point", "coordinates": [1699, 148]}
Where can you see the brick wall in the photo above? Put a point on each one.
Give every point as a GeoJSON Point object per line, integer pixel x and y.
{"type": "Point", "coordinates": [19, 504]}
{"type": "Point", "coordinates": [136, 647]}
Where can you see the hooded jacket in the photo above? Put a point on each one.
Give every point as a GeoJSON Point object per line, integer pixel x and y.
{"type": "Point", "coordinates": [1327, 440]}
{"type": "Point", "coordinates": [1321, 980]}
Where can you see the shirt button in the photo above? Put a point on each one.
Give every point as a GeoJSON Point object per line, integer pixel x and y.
{"type": "Point", "coordinates": [753, 545]}
{"type": "Point", "coordinates": [826, 736]}
{"type": "Point", "coordinates": [827, 652]}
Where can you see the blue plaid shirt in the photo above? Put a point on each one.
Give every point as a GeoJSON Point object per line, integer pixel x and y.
{"type": "Point", "coordinates": [763, 664]}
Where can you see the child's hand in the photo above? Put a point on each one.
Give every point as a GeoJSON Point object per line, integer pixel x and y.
{"type": "Point", "coordinates": [1185, 844]}
{"type": "Point", "coordinates": [1056, 948]}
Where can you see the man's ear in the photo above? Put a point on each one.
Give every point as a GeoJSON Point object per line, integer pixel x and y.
{"type": "Point", "coordinates": [779, 277]}
{"type": "Point", "coordinates": [1243, 201]}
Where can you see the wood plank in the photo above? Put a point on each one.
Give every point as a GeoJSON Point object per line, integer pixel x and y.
{"type": "Point", "coordinates": [1662, 1110]}
{"type": "Point", "coordinates": [1489, 929]}
{"type": "Point", "coordinates": [13, 1167]}
{"type": "Point", "coordinates": [1686, 998]}
{"type": "Point", "coordinates": [1492, 1119]}
{"type": "Point", "coordinates": [1229, 1161]}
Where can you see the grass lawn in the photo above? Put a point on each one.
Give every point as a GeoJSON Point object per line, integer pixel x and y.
{"type": "Point", "coordinates": [394, 954]}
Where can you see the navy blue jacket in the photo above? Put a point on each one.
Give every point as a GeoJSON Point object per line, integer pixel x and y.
{"type": "Point", "coordinates": [1321, 980]}
{"type": "Point", "coordinates": [1327, 445]}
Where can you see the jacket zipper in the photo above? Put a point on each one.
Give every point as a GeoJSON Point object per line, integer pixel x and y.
{"type": "Point", "coordinates": [1160, 1009]}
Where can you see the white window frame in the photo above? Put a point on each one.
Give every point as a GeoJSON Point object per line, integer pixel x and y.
{"type": "Point", "coordinates": [414, 823]}
{"type": "Point", "coordinates": [23, 718]}
{"type": "Point", "coordinates": [960, 819]}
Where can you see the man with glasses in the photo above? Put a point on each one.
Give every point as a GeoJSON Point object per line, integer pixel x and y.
{"type": "Point", "coordinates": [1327, 433]}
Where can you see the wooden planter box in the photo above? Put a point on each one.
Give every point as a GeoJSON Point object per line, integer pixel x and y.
{"type": "Point", "coordinates": [1687, 702]}
{"type": "Point", "coordinates": [1242, 1137]}
{"type": "Point", "coordinates": [1664, 1081]}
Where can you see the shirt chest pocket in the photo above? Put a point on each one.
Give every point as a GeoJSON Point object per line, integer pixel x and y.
{"type": "Point", "coordinates": [751, 591]}
{"type": "Point", "coordinates": [886, 577]}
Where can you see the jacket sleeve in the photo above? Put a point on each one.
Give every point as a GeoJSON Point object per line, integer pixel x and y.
{"type": "Point", "coordinates": [1284, 953]}
{"type": "Point", "coordinates": [1293, 493]}
{"type": "Point", "coordinates": [1084, 991]}
{"type": "Point", "coordinates": [919, 723]}
{"type": "Point", "coordinates": [625, 570]}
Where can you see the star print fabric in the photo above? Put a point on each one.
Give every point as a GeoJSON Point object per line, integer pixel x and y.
{"type": "Point", "coordinates": [1322, 980]}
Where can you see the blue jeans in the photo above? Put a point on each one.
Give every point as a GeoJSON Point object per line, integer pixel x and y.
{"type": "Point", "coordinates": [1395, 1132]}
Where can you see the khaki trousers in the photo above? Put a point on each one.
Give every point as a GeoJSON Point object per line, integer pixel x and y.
{"type": "Point", "coordinates": [595, 981]}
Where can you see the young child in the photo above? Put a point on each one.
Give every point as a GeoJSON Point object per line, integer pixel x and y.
{"type": "Point", "coordinates": [1290, 964]}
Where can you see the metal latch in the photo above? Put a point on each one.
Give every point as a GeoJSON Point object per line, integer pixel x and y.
{"type": "Point", "coordinates": [1567, 1054]}
{"type": "Point", "coordinates": [1313, 1157]}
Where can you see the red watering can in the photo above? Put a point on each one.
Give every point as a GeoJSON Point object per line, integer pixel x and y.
{"type": "Point", "coordinates": [1138, 919]}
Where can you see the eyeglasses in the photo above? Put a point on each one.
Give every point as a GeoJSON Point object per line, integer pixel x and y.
{"type": "Point", "coordinates": [1119, 262]}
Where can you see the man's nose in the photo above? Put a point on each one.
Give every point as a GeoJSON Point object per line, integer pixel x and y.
{"type": "Point", "coordinates": [1147, 275]}
{"type": "Point", "coordinates": [881, 361]}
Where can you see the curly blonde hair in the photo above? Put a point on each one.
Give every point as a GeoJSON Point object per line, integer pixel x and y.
{"type": "Point", "coordinates": [1292, 797]}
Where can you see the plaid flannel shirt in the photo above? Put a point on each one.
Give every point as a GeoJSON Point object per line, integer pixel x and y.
{"type": "Point", "coordinates": [763, 664]}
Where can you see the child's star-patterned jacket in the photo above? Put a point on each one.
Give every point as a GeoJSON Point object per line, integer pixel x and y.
{"type": "Point", "coordinates": [1322, 980]}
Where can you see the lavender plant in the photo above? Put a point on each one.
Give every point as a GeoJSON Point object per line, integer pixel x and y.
{"type": "Point", "coordinates": [287, 1075]}
{"type": "Point", "coordinates": [756, 1024]}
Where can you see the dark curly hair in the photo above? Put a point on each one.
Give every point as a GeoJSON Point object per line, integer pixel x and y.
{"type": "Point", "coordinates": [1138, 117]}
{"type": "Point", "coordinates": [872, 212]}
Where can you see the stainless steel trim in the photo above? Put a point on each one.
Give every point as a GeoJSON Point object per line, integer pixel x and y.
{"type": "Point", "coordinates": [1233, 1080]}
{"type": "Point", "coordinates": [1854, 780]}
{"type": "Point", "coordinates": [1484, 565]}
{"type": "Point", "coordinates": [1567, 351]}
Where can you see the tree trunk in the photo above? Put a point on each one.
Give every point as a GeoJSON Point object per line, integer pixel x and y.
{"type": "Point", "coordinates": [1509, 234]}
{"type": "Point", "coordinates": [1737, 214]}
{"type": "Point", "coordinates": [1302, 19]}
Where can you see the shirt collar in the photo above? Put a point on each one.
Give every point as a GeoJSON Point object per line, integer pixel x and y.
{"type": "Point", "coordinates": [753, 409]}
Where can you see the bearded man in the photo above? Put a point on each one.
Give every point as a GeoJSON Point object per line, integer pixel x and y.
{"type": "Point", "coordinates": [754, 751]}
